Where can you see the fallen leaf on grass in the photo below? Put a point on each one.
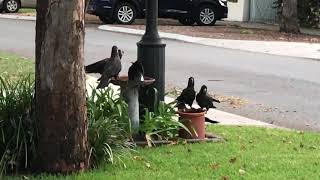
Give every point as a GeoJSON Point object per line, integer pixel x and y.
{"type": "Point", "coordinates": [139, 158]}
{"type": "Point", "coordinates": [301, 145]}
{"type": "Point", "coordinates": [233, 160]}
{"type": "Point", "coordinates": [225, 178]}
{"type": "Point", "coordinates": [312, 147]}
{"type": "Point", "coordinates": [25, 178]}
{"type": "Point", "coordinates": [242, 172]}
{"type": "Point", "coordinates": [242, 147]}
{"type": "Point", "coordinates": [300, 132]}
{"type": "Point", "coordinates": [169, 152]}
{"type": "Point", "coordinates": [148, 165]}
{"type": "Point", "coordinates": [215, 166]}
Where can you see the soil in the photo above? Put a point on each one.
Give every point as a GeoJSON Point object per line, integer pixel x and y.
{"type": "Point", "coordinates": [223, 30]}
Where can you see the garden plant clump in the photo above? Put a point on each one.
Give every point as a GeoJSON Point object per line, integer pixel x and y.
{"type": "Point", "coordinates": [18, 134]}
{"type": "Point", "coordinates": [109, 130]}
{"type": "Point", "coordinates": [108, 127]}
{"type": "Point", "coordinates": [163, 124]}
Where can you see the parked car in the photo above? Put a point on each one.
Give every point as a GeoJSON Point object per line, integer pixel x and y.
{"type": "Point", "coordinates": [188, 12]}
{"type": "Point", "coordinates": [12, 6]}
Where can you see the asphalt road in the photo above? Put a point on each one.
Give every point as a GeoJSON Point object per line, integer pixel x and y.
{"type": "Point", "coordinates": [284, 91]}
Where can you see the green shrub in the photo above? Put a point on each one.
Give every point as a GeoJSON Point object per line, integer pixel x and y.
{"type": "Point", "coordinates": [162, 124]}
{"type": "Point", "coordinates": [109, 126]}
{"type": "Point", "coordinates": [17, 124]}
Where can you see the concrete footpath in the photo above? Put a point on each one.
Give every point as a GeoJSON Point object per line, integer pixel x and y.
{"type": "Point", "coordinates": [292, 49]}
{"type": "Point", "coordinates": [223, 118]}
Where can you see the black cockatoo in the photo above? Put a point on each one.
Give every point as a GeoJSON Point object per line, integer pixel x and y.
{"type": "Point", "coordinates": [98, 67]}
{"type": "Point", "coordinates": [187, 96]}
{"type": "Point", "coordinates": [111, 69]}
{"type": "Point", "coordinates": [120, 52]}
{"type": "Point", "coordinates": [136, 72]}
{"type": "Point", "coordinates": [205, 101]}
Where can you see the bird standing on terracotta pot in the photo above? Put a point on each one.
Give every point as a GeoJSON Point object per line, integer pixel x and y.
{"type": "Point", "coordinates": [204, 100]}
{"type": "Point", "coordinates": [187, 96]}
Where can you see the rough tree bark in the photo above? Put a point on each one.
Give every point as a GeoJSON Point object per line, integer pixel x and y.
{"type": "Point", "coordinates": [289, 18]}
{"type": "Point", "coordinates": [60, 87]}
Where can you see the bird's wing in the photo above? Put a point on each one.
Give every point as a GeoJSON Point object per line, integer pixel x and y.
{"type": "Point", "coordinates": [182, 96]}
{"type": "Point", "coordinates": [109, 67]}
{"type": "Point", "coordinates": [190, 96]}
{"type": "Point", "coordinates": [209, 102]}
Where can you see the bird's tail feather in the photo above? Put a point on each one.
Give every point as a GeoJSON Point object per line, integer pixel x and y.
{"type": "Point", "coordinates": [211, 121]}
{"type": "Point", "coordinates": [103, 84]}
{"type": "Point", "coordinates": [92, 68]}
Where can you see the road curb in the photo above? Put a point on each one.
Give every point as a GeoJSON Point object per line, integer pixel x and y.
{"type": "Point", "coordinates": [18, 17]}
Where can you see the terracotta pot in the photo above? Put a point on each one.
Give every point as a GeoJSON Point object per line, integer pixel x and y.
{"type": "Point", "coordinates": [195, 122]}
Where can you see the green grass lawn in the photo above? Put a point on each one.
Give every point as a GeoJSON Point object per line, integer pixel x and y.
{"type": "Point", "coordinates": [246, 153]}
{"type": "Point", "coordinates": [14, 66]}
{"type": "Point", "coordinates": [27, 10]}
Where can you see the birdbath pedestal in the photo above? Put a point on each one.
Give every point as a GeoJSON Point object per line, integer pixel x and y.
{"type": "Point", "coordinates": [130, 93]}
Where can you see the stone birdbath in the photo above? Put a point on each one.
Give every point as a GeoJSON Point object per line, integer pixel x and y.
{"type": "Point", "coordinates": [129, 90]}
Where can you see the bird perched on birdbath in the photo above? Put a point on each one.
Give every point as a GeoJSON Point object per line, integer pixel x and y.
{"type": "Point", "coordinates": [98, 67]}
{"type": "Point", "coordinates": [204, 100]}
{"type": "Point", "coordinates": [121, 53]}
{"type": "Point", "coordinates": [111, 68]}
{"type": "Point", "coordinates": [136, 72]}
{"type": "Point", "coordinates": [187, 96]}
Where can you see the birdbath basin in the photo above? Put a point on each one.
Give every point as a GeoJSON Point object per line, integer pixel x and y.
{"type": "Point", "coordinates": [130, 93]}
{"type": "Point", "coordinates": [124, 81]}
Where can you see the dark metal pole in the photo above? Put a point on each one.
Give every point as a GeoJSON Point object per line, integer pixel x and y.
{"type": "Point", "coordinates": [151, 50]}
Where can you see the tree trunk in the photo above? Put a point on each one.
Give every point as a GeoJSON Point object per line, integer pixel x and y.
{"type": "Point", "coordinates": [289, 19]}
{"type": "Point", "coordinates": [60, 87]}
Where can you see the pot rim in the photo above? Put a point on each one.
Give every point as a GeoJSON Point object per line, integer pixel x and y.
{"type": "Point", "coordinates": [192, 114]}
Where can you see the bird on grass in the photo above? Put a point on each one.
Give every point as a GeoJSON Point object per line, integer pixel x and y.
{"type": "Point", "coordinates": [136, 72]}
{"type": "Point", "coordinates": [187, 96]}
{"type": "Point", "coordinates": [111, 68]}
{"type": "Point", "coordinates": [205, 101]}
{"type": "Point", "coordinates": [98, 67]}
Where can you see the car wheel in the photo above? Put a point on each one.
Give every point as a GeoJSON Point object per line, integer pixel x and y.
{"type": "Point", "coordinates": [106, 20]}
{"type": "Point", "coordinates": [186, 21]}
{"type": "Point", "coordinates": [125, 13]}
{"type": "Point", "coordinates": [206, 16]}
{"type": "Point", "coordinates": [11, 6]}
